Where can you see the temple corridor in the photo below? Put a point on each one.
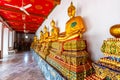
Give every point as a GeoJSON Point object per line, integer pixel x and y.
{"type": "Point", "coordinates": [20, 66]}
{"type": "Point", "coordinates": [59, 40]}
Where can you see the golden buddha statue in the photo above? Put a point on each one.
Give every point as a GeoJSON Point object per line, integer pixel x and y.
{"type": "Point", "coordinates": [46, 34]}
{"type": "Point", "coordinates": [34, 41]}
{"type": "Point", "coordinates": [75, 25]}
{"type": "Point", "coordinates": [41, 36]}
{"type": "Point", "coordinates": [35, 38]}
{"type": "Point", "coordinates": [54, 32]}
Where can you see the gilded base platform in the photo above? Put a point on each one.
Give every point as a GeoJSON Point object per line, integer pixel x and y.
{"type": "Point", "coordinates": [69, 57]}
{"type": "Point", "coordinates": [108, 68]}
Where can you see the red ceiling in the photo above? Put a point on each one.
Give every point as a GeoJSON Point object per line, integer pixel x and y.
{"type": "Point", "coordinates": [39, 11]}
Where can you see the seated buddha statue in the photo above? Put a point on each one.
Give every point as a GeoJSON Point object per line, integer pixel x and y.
{"type": "Point", "coordinates": [46, 34]}
{"type": "Point", "coordinates": [41, 36]}
{"type": "Point", "coordinates": [35, 39]}
{"type": "Point", "coordinates": [54, 32]}
{"type": "Point", "coordinates": [75, 25]}
{"type": "Point", "coordinates": [35, 42]}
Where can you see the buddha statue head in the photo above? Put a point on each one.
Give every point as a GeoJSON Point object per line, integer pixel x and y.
{"type": "Point", "coordinates": [115, 31]}
{"type": "Point", "coordinates": [35, 38]}
{"type": "Point", "coordinates": [71, 10]}
{"type": "Point", "coordinates": [52, 23]}
{"type": "Point", "coordinates": [41, 32]}
{"type": "Point", "coordinates": [41, 35]}
{"type": "Point", "coordinates": [45, 29]}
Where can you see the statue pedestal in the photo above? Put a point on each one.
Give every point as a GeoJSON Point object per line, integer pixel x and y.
{"type": "Point", "coordinates": [49, 72]}
{"type": "Point", "coordinates": [68, 57]}
{"type": "Point", "coordinates": [108, 68]}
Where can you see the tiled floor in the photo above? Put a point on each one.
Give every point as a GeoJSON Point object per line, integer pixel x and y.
{"type": "Point", "coordinates": [20, 66]}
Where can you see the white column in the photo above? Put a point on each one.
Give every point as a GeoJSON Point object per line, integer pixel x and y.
{"type": "Point", "coordinates": [13, 38]}
{"type": "Point", "coordinates": [10, 39]}
{"type": "Point", "coordinates": [0, 35]}
{"type": "Point", "coordinates": [5, 41]}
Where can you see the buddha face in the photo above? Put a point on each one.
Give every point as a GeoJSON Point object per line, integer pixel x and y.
{"type": "Point", "coordinates": [71, 11]}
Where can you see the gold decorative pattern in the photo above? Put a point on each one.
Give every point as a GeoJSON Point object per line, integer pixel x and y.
{"type": "Point", "coordinates": [38, 7]}
{"type": "Point", "coordinates": [39, 10]}
{"type": "Point", "coordinates": [8, 0]}
{"type": "Point", "coordinates": [32, 1]}
{"type": "Point", "coordinates": [31, 9]}
{"type": "Point", "coordinates": [47, 5]}
{"type": "Point", "coordinates": [34, 19]}
{"type": "Point", "coordinates": [12, 16]}
{"type": "Point", "coordinates": [6, 12]}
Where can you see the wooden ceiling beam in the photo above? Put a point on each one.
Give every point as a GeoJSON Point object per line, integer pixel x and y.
{"type": "Point", "coordinates": [17, 27]}
{"type": "Point", "coordinates": [26, 30]}
{"type": "Point", "coordinates": [23, 28]}
{"type": "Point", "coordinates": [33, 32]}
{"type": "Point", "coordinates": [55, 2]}
{"type": "Point", "coordinates": [18, 11]}
{"type": "Point", "coordinates": [22, 22]}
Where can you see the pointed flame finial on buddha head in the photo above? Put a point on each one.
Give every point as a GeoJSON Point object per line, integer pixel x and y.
{"type": "Point", "coordinates": [41, 36]}
{"type": "Point", "coordinates": [45, 28]}
{"type": "Point", "coordinates": [52, 23]}
{"type": "Point", "coordinates": [35, 38]}
{"type": "Point", "coordinates": [41, 32]}
{"type": "Point", "coordinates": [71, 10]}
